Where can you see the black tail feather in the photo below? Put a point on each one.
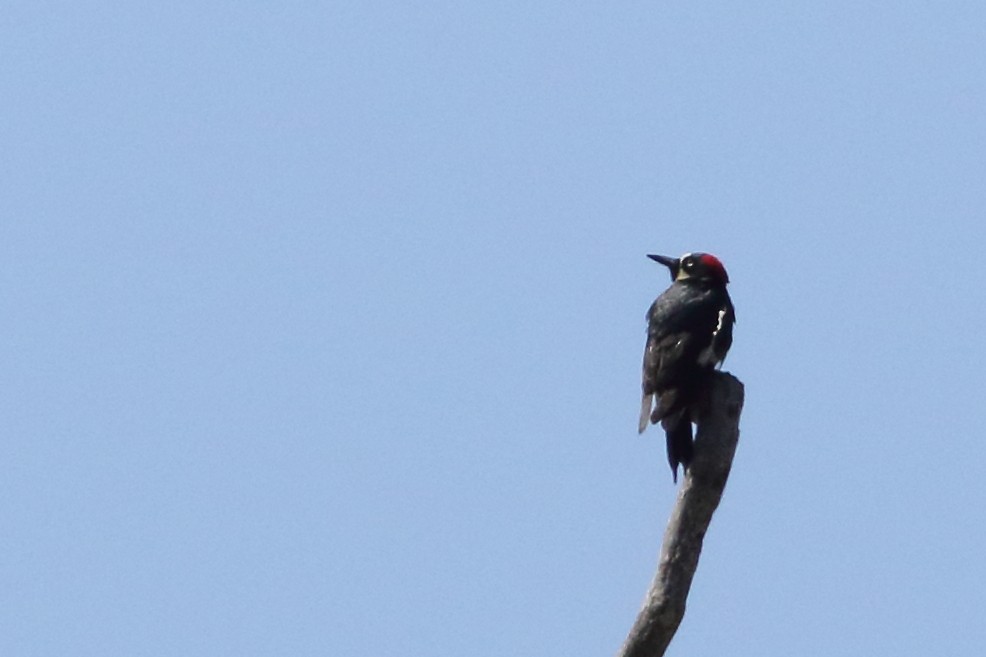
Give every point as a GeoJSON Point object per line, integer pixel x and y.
{"type": "Point", "coordinates": [678, 428]}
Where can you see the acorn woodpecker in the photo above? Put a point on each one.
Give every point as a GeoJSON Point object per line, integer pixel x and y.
{"type": "Point", "coordinates": [689, 331]}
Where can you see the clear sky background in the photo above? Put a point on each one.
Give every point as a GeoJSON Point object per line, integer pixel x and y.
{"type": "Point", "coordinates": [321, 324]}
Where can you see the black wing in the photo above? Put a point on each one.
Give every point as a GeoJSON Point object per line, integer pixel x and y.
{"type": "Point", "coordinates": [689, 332]}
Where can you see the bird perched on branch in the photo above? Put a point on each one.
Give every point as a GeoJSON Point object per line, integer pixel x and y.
{"type": "Point", "coordinates": [689, 331]}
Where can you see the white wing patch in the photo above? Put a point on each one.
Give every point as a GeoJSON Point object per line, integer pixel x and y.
{"type": "Point", "coordinates": [722, 315]}
{"type": "Point", "coordinates": [708, 355]}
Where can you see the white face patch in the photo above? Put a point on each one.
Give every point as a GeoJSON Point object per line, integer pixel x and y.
{"type": "Point", "coordinates": [682, 274]}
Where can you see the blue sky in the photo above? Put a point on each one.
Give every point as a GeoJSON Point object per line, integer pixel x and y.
{"type": "Point", "coordinates": [322, 323]}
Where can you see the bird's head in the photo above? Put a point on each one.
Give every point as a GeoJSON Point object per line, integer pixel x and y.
{"type": "Point", "coordinates": [694, 267]}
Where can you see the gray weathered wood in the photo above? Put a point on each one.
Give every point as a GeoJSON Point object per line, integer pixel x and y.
{"type": "Point", "coordinates": [715, 443]}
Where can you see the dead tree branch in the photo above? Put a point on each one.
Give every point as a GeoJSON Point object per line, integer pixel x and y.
{"type": "Point", "coordinates": [715, 444]}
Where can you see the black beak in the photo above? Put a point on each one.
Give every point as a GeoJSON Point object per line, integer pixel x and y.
{"type": "Point", "coordinates": [671, 263]}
